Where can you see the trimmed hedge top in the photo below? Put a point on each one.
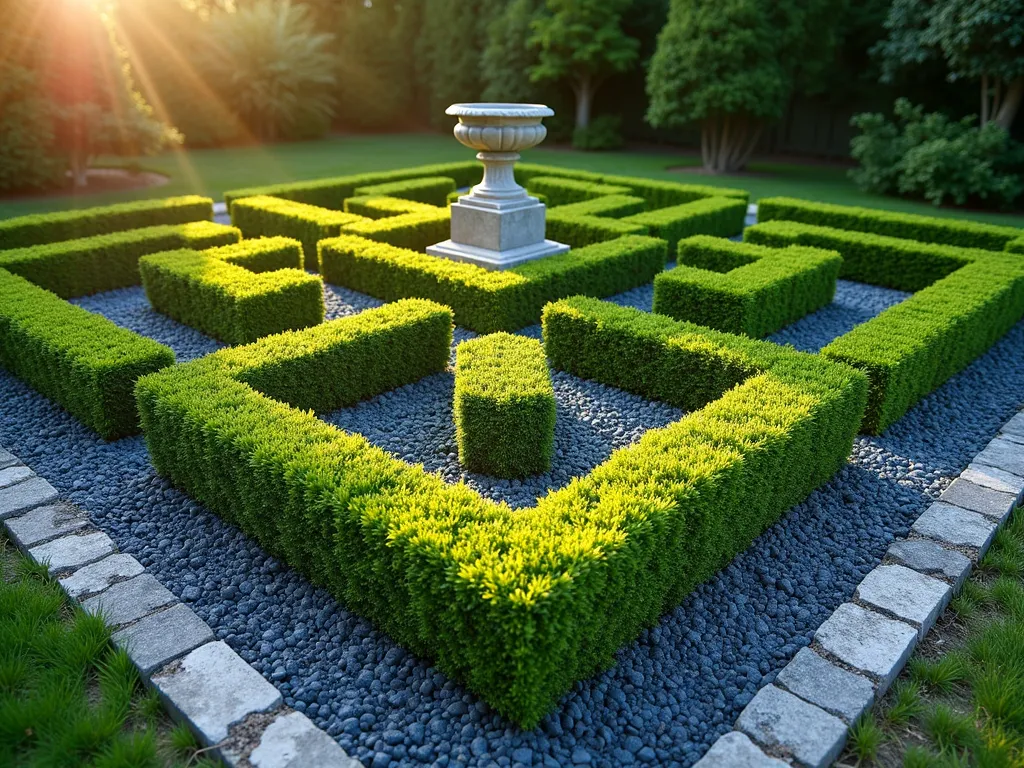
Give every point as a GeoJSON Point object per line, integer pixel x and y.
{"type": "Point", "coordinates": [378, 207]}
{"type": "Point", "coordinates": [432, 190]}
{"type": "Point", "coordinates": [562, 191]}
{"type": "Point", "coordinates": [42, 228]}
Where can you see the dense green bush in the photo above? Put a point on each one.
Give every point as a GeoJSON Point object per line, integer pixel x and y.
{"type": "Point", "coordinates": [27, 129]}
{"type": "Point", "coordinates": [377, 207]}
{"type": "Point", "coordinates": [414, 231]}
{"type": "Point", "coordinates": [504, 406]}
{"type": "Point", "coordinates": [264, 254]}
{"type": "Point", "coordinates": [485, 300]}
{"type": "Point", "coordinates": [103, 262]}
{"type": "Point", "coordinates": [603, 133]}
{"type": "Point", "coordinates": [929, 229]}
{"type": "Point", "coordinates": [522, 604]}
{"type": "Point", "coordinates": [433, 190]}
{"type": "Point", "coordinates": [745, 288]}
{"type": "Point", "coordinates": [612, 206]}
{"type": "Point", "coordinates": [1016, 246]}
{"type": "Point", "coordinates": [579, 231]}
{"type": "Point", "coordinates": [229, 302]}
{"type": "Point", "coordinates": [78, 359]}
{"type": "Point", "coordinates": [722, 216]}
{"type": "Point", "coordinates": [560, 191]}
{"type": "Point", "coordinates": [263, 216]}
{"type": "Point", "coordinates": [43, 228]}
{"type": "Point", "coordinates": [935, 158]}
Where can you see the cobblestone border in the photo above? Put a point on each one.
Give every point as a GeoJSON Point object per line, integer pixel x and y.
{"type": "Point", "coordinates": [231, 708]}
{"type": "Point", "coordinates": [803, 717]}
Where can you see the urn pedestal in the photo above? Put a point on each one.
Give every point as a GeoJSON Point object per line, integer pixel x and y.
{"type": "Point", "coordinates": [497, 225]}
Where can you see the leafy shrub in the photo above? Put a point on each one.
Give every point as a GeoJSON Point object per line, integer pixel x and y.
{"type": "Point", "coordinates": [603, 133]}
{"type": "Point", "coordinates": [414, 231]}
{"type": "Point", "coordinates": [42, 228]}
{"type": "Point", "coordinates": [564, 191]}
{"type": "Point", "coordinates": [1016, 246]}
{"type": "Point", "coordinates": [722, 216]}
{"type": "Point", "coordinates": [928, 229]}
{"type": "Point", "coordinates": [26, 134]}
{"type": "Point", "coordinates": [264, 254]}
{"type": "Point", "coordinates": [580, 231]}
{"type": "Point", "coordinates": [484, 300]}
{"type": "Point", "coordinates": [104, 262]}
{"type": "Point", "coordinates": [433, 190]}
{"type": "Point", "coordinates": [78, 359]}
{"type": "Point", "coordinates": [377, 207]}
{"type": "Point", "coordinates": [612, 206]}
{"type": "Point", "coordinates": [745, 288]}
{"type": "Point", "coordinates": [935, 158]}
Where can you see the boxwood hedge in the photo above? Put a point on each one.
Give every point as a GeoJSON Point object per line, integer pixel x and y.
{"type": "Point", "coordinates": [504, 406]}
{"type": "Point", "coordinates": [378, 207]}
{"type": "Point", "coordinates": [522, 604]}
{"type": "Point", "coordinates": [722, 216]}
{"type": "Point", "coordinates": [432, 190]}
{"type": "Point", "coordinates": [745, 288]}
{"type": "Point", "coordinates": [1016, 246]}
{"type": "Point", "coordinates": [560, 191]}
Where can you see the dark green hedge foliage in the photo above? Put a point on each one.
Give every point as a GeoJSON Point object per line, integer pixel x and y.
{"type": "Point", "coordinates": [484, 300]}
{"type": "Point", "coordinates": [1016, 246]}
{"type": "Point", "coordinates": [579, 231]}
{"type": "Point", "coordinates": [745, 288]}
{"type": "Point", "coordinates": [612, 206]}
{"type": "Point", "coordinates": [414, 231]}
{"type": "Point", "coordinates": [560, 191]}
{"type": "Point", "coordinates": [80, 360]}
{"type": "Point", "coordinates": [722, 216]}
{"type": "Point", "coordinates": [929, 229]}
{"type": "Point", "coordinates": [504, 406]}
{"type": "Point", "coordinates": [519, 605]}
{"type": "Point", "coordinates": [103, 262]}
{"type": "Point", "coordinates": [264, 254]}
{"type": "Point", "coordinates": [229, 302]}
{"type": "Point", "coordinates": [42, 228]}
{"type": "Point", "coordinates": [379, 207]}
{"type": "Point", "coordinates": [432, 190]}
{"type": "Point", "coordinates": [331, 193]}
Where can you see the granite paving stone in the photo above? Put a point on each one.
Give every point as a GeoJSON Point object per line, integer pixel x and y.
{"type": "Point", "coordinates": [7, 459]}
{"type": "Point", "coordinates": [1015, 425]}
{"type": "Point", "coordinates": [212, 688]}
{"type": "Point", "coordinates": [130, 600]}
{"type": "Point", "coordinates": [292, 741]}
{"type": "Point", "coordinates": [834, 689]}
{"type": "Point", "coordinates": [995, 478]}
{"type": "Point", "coordinates": [930, 557]}
{"type": "Point", "coordinates": [25, 495]}
{"type": "Point", "coordinates": [978, 498]}
{"type": "Point", "coordinates": [161, 637]}
{"type": "Point", "coordinates": [1003, 454]}
{"type": "Point", "coordinates": [96, 577]}
{"type": "Point", "coordinates": [73, 551]}
{"type": "Point", "coordinates": [785, 724]}
{"type": "Point", "coordinates": [956, 526]}
{"type": "Point", "coordinates": [12, 475]}
{"type": "Point", "coordinates": [43, 524]}
{"type": "Point", "coordinates": [736, 750]}
{"type": "Point", "coordinates": [905, 594]}
{"type": "Point", "coordinates": [867, 641]}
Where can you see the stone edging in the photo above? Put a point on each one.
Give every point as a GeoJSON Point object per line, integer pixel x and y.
{"type": "Point", "coordinates": [231, 708]}
{"type": "Point", "coordinates": [804, 716]}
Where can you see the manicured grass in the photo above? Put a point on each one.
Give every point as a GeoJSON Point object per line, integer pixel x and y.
{"type": "Point", "coordinates": [67, 697]}
{"type": "Point", "coordinates": [211, 171]}
{"type": "Point", "coordinates": [960, 701]}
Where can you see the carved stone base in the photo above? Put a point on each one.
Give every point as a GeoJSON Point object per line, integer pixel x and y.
{"type": "Point", "coordinates": [492, 259]}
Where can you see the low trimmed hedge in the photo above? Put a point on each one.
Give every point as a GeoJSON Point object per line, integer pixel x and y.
{"type": "Point", "coordinates": [378, 207]}
{"type": "Point", "coordinates": [80, 360]}
{"type": "Point", "coordinates": [560, 191]}
{"type": "Point", "coordinates": [104, 262]}
{"type": "Point", "coordinates": [580, 231]}
{"type": "Point", "coordinates": [1016, 246]}
{"type": "Point", "coordinates": [264, 254]}
{"type": "Point", "coordinates": [929, 229]}
{"type": "Point", "coordinates": [414, 231]}
{"type": "Point", "coordinates": [517, 604]}
{"type": "Point", "coordinates": [485, 300]}
{"type": "Point", "coordinates": [432, 190]}
{"type": "Point", "coordinates": [721, 216]}
{"type": "Point", "coordinates": [744, 288]}
{"type": "Point", "coordinates": [43, 228]}
{"type": "Point", "coordinates": [264, 216]}
{"type": "Point", "coordinates": [612, 206]}
{"type": "Point", "coordinates": [229, 302]}
{"type": "Point", "coordinates": [504, 406]}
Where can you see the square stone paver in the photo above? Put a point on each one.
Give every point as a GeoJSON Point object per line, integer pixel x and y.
{"type": "Point", "coordinates": [90, 579]}
{"type": "Point", "coordinates": [16, 474]}
{"type": "Point", "coordinates": [25, 495]}
{"type": "Point", "coordinates": [130, 600]}
{"type": "Point", "coordinates": [836, 690]}
{"type": "Point", "coordinates": [7, 459]}
{"type": "Point", "coordinates": [736, 750]}
{"type": "Point", "coordinates": [1003, 454]}
{"type": "Point", "coordinates": [43, 524]}
{"type": "Point", "coordinates": [212, 688]}
{"type": "Point", "coordinates": [905, 594]}
{"type": "Point", "coordinates": [292, 741]}
{"type": "Point", "coordinates": [162, 637]}
{"type": "Point", "coordinates": [73, 551]}
{"type": "Point", "coordinates": [956, 526]}
{"type": "Point", "coordinates": [868, 641]}
{"type": "Point", "coordinates": [978, 498]}
{"type": "Point", "coordinates": [994, 478]}
{"type": "Point", "coordinates": [1015, 425]}
{"type": "Point", "coordinates": [785, 724]}
{"type": "Point", "coordinates": [930, 557]}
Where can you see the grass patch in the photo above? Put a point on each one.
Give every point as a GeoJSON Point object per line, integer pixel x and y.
{"type": "Point", "coordinates": [67, 696]}
{"type": "Point", "coordinates": [960, 701]}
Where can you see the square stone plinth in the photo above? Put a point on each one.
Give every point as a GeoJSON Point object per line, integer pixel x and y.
{"type": "Point", "coordinates": [487, 259]}
{"type": "Point", "coordinates": [494, 229]}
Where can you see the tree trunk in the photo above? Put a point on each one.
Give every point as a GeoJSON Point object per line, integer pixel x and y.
{"type": "Point", "coordinates": [1010, 103]}
{"type": "Point", "coordinates": [727, 142]}
{"type": "Point", "coordinates": [584, 89]}
{"type": "Point", "coordinates": [79, 170]}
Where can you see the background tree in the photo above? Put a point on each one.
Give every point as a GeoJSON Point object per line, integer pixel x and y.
{"type": "Point", "coordinates": [733, 65]}
{"type": "Point", "coordinates": [508, 57]}
{"type": "Point", "coordinates": [980, 40]}
{"type": "Point", "coordinates": [582, 42]}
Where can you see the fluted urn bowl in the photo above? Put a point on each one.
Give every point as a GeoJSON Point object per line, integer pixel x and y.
{"type": "Point", "coordinates": [488, 127]}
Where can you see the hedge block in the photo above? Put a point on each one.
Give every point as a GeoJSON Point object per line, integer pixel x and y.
{"type": "Point", "coordinates": [43, 228]}
{"type": "Point", "coordinates": [264, 254]}
{"type": "Point", "coordinates": [612, 206]}
{"type": "Point", "coordinates": [561, 191]}
{"type": "Point", "coordinates": [504, 406]}
{"type": "Point", "coordinates": [82, 361]}
{"type": "Point", "coordinates": [1016, 246]}
{"type": "Point", "coordinates": [745, 288]}
{"type": "Point", "coordinates": [722, 216]}
{"type": "Point", "coordinates": [414, 231]}
{"type": "Point", "coordinates": [580, 231]}
{"type": "Point", "coordinates": [380, 207]}
{"type": "Point", "coordinates": [104, 262]}
{"type": "Point", "coordinates": [432, 190]}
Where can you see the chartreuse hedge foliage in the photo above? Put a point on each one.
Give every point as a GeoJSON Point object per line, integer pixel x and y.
{"type": "Point", "coordinates": [42, 228]}
{"type": "Point", "coordinates": [1016, 246]}
{"type": "Point", "coordinates": [432, 190]}
{"type": "Point", "coordinates": [929, 229]}
{"type": "Point", "coordinates": [518, 604]}
{"type": "Point", "coordinates": [414, 230]}
{"type": "Point", "coordinates": [745, 288]}
{"type": "Point", "coordinates": [80, 360]}
{"type": "Point", "coordinates": [378, 207]}
{"type": "Point", "coordinates": [560, 191]}
{"type": "Point", "coordinates": [484, 300]}
{"type": "Point", "coordinates": [504, 406]}
{"type": "Point", "coordinates": [966, 299]}
{"type": "Point", "coordinates": [227, 301]}
{"type": "Point", "coordinates": [264, 254]}
{"type": "Point", "coordinates": [722, 216]}
{"type": "Point", "coordinates": [103, 262]}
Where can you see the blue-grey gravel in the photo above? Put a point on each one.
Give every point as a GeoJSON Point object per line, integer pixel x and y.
{"type": "Point", "coordinates": [671, 693]}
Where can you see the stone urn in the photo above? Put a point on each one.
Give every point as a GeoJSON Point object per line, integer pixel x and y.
{"type": "Point", "coordinates": [497, 225]}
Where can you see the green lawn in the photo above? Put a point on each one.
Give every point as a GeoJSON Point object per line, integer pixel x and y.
{"type": "Point", "coordinates": [212, 171]}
